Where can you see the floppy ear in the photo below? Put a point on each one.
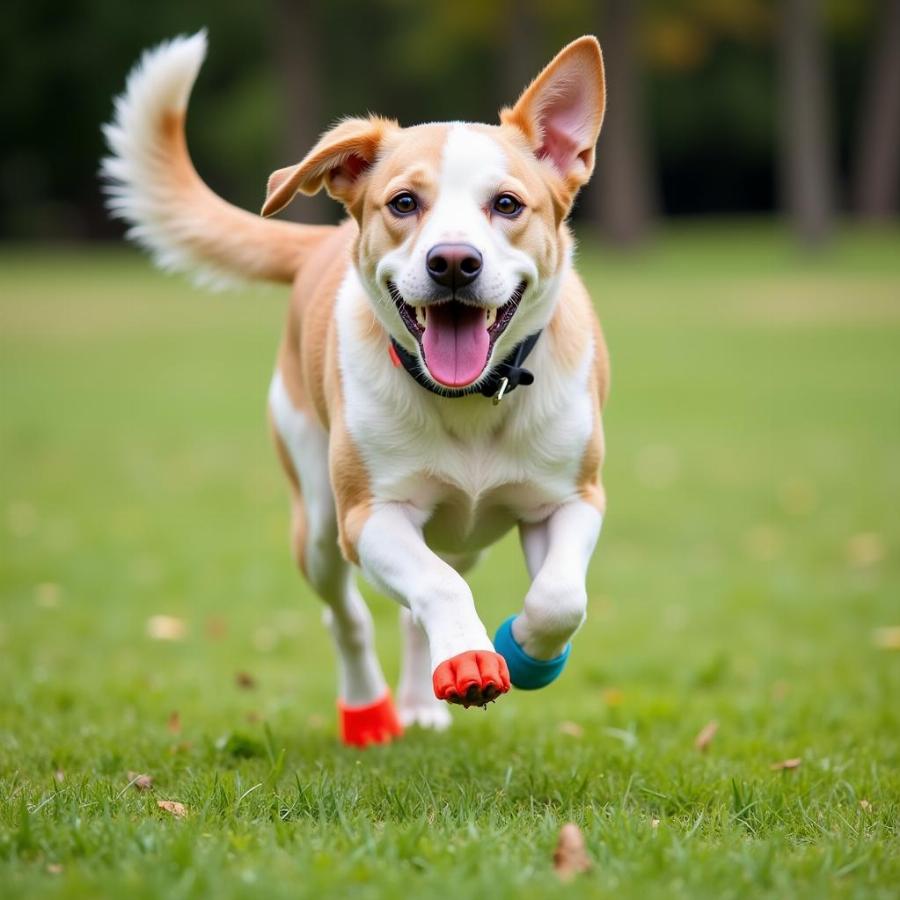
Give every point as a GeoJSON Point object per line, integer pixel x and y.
{"type": "Point", "coordinates": [561, 111]}
{"type": "Point", "coordinates": [338, 163]}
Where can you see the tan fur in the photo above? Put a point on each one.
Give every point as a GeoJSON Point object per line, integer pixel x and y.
{"type": "Point", "coordinates": [268, 250]}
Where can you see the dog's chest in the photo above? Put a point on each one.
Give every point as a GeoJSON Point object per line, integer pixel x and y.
{"type": "Point", "coordinates": [473, 482]}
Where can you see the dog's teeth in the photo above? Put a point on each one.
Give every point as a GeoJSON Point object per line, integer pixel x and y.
{"type": "Point", "coordinates": [421, 318]}
{"type": "Point", "coordinates": [490, 316]}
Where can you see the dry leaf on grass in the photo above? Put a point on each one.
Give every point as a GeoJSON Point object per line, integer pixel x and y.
{"type": "Point", "coordinates": [865, 549]}
{"type": "Point", "coordinates": [140, 782]}
{"type": "Point", "coordinates": [173, 723]}
{"type": "Point", "coordinates": [216, 628]}
{"type": "Point", "coordinates": [864, 804]}
{"type": "Point", "coordinates": [791, 763]}
{"type": "Point", "coordinates": [707, 733]}
{"type": "Point", "coordinates": [654, 824]}
{"type": "Point", "coordinates": [612, 696]}
{"type": "Point", "coordinates": [573, 729]}
{"type": "Point", "coordinates": [887, 638]}
{"type": "Point", "coordinates": [54, 868]}
{"type": "Point", "coordinates": [179, 810]}
{"type": "Point", "coordinates": [166, 628]}
{"type": "Point", "coordinates": [59, 775]}
{"type": "Point", "coordinates": [570, 857]}
{"type": "Point", "coordinates": [245, 681]}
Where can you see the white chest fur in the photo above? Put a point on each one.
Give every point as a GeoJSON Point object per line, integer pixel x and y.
{"type": "Point", "coordinates": [470, 468]}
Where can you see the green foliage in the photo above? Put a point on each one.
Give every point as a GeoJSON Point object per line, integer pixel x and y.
{"type": "Point", "coordinates": [751, 549]}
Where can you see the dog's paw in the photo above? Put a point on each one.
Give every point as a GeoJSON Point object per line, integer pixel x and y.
{"type": "Point", "coordinates": [426, 712]}
{"type": "Point", "coordinates": [473, 678]}
{"type": "Point", "coordinates": [364, 726]}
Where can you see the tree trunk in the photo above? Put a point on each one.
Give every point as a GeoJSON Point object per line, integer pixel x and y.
{"type": "Point", "coordinates": [807, 158]}
{"type": "Point", "coordinates": [297, 41]}
{"type": "Point", "coordinates": [622, 199]}
{"type": "Point", "coordinates": [521, 51]}
{"type": "Point", "coordinates": [877, 159]}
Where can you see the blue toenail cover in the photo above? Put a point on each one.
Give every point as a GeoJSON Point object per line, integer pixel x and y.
{"type": "Point", "coordinates": [526, 672]}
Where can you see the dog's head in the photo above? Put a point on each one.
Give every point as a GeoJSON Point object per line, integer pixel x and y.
{"type": "Point", "coordinates": [461, 226]}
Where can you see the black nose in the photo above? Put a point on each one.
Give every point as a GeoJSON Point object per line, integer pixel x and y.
{"type": "Point", "coordinates": [453, 265]}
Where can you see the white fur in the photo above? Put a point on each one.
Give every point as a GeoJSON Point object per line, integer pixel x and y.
{"type": "Point", "coordinates": [167, 217]}
{"type": "Point", "coordinates": [558, 551]}
{"type": "Point", "coordinates": [361, 681]}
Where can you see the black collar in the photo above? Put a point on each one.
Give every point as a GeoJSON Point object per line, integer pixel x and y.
{"type": "Point", "coordinates": [503, 378]}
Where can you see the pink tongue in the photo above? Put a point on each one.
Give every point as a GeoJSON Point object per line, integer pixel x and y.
{"type": "Point", "coordinates": [456, 343]}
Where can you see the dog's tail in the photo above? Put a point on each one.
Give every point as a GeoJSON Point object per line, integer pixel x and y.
{"type": "Point", "coordinates": [152, 184]}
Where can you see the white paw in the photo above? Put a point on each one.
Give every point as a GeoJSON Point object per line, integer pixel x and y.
{"type": "Point", "coordinates": [431, 713]}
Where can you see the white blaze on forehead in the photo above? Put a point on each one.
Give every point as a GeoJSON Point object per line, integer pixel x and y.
{"type": "Point", "coordinates": [472, 167]}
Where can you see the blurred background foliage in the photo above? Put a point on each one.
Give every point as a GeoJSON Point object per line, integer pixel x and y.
{"type": "Point", "coordinates": [722, 107]}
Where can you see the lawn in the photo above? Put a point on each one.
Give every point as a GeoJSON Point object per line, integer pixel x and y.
{"type": "Point", "coordinates": [749, 567]}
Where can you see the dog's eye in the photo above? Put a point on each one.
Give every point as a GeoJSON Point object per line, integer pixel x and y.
{"type": "Point", "coordinates": [508, 205]}
{"type": "Point", "coordinates": [403, 204]}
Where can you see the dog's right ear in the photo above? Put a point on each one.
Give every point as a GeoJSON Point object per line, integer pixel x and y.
{"type": "Point", "coordinates": [338, 162]}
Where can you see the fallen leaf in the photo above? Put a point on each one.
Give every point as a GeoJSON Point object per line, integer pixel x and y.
{"type": "Point", "coordinates": [216, 627]}
{"type": "Point", "coordinates": [887, 638]}
{"type": "Point", "coordinates": [707, 733]}
{"type": "Point", "coordinates": [140, 782]}
{"type": "Point", "coordinates": [612, 696]}
{"type": "Point", "coordinates": [179, 810]}
{"type": "Point", "coordinates": [245, 681]}
{"type": "Point", "coordinates": [181, 747]}
{"type": "Point", "coordinates": [763, 543]}
{"type": "Point", "coordinates": [780, 690]}
{"type": "Point", "coordinates": [570, 857]}
{"type": "Point", "coordinates": [654, 824]}
{"type": "Point", "coordinates": [865, 549]}
{"type": "Point", "coordinates": [573, 729]}
{"type": "Point", "coordinates": [864, 804]}
{"type": "Point", "coordinates": [47, 594]}
{"type": "Point", "coordinates": [59, 775]}
{"type": "Point", "coordinates": [253, 717]}
{"type": "Point", "coordinates": [173, 723]}
{"type": "Point", "coordinates": [166, 628]}
{"type": "Point", "coordinates": [797, 497]}
{"type": "Point", "coordinates": [791, 763]}
{"type": "Point", "coordinates": [54, 868]}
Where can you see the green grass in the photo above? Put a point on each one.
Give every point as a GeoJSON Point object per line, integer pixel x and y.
{"type": "Point", "coordinates": [751, 549]}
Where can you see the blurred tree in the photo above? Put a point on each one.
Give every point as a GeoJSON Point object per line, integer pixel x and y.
{"type": "Point", "coordinates": [807, 156]}
{"type": "Point", "coordinates": [876, 171]}
{"type": "Point", "coordinates": [296, 42]}
{"type": "Point", "coordinates": [520, 56]}
{"type": "Point", "coordinates": [621, 197]}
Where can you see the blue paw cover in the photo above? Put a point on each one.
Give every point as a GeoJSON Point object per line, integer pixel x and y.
{"type": "Point", "coordinates": [526, 672]}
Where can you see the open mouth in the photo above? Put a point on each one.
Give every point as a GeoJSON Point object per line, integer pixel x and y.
{"type": "Point", "coordinates": [456, 338]}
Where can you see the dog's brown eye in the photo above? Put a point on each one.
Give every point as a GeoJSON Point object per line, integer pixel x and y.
{"type": "Point", "coordinates": [507, 205]}
{"type": "Point", "coordinates": [403, 204]}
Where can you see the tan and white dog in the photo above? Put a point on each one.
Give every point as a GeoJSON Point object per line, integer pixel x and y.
{"type": "Point", "coordinates": [405, 320]}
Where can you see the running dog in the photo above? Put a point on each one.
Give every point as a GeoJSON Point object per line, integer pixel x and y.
{"type": "Point", "coordinates": [412, 433]}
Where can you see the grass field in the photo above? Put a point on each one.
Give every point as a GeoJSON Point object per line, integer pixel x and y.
{"type": "Point", "coordinates": [750, 556]}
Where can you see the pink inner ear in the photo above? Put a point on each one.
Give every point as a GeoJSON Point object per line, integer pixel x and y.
{"type": "Point", "coordinates": [349, 170]}
{"type": "Point", "coordinates": [564, 126]}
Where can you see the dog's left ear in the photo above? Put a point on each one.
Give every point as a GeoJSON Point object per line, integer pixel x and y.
{"type": "Point", "coordinates": [338, 163]}
{"type": "Point", "coordinates": [561, 111]}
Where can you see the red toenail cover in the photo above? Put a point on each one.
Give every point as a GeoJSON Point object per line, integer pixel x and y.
{"type": "Point", "coordinates": [376, 723]}
{"type": "Point", "coordinates": [473, 678]}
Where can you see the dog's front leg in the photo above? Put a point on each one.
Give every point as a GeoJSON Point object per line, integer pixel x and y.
{"type": "Point", "coordinates": [394, 556]}
{"type": "Point", "coordinates": [558, 549]}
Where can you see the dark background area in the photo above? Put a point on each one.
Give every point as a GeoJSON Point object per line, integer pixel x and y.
{"type": "Point", "coordinates": [716, 107]}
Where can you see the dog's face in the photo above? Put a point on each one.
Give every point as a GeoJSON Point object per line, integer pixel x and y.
{"type": "Point", "coordinates": [461, 237]}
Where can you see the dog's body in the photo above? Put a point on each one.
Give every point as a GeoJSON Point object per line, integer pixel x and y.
{"type": "Point", "coordinates": [406, 482]}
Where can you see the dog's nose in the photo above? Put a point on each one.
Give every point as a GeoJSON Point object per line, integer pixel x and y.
{"type": "Point", "coordinates": [453, 265]}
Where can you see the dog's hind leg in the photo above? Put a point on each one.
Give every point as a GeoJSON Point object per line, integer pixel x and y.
{"type": "Point", "coordinates": [366, 710]}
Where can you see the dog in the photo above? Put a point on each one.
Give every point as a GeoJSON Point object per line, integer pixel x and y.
{"type": "Point", "coordinates": [411, 430]}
